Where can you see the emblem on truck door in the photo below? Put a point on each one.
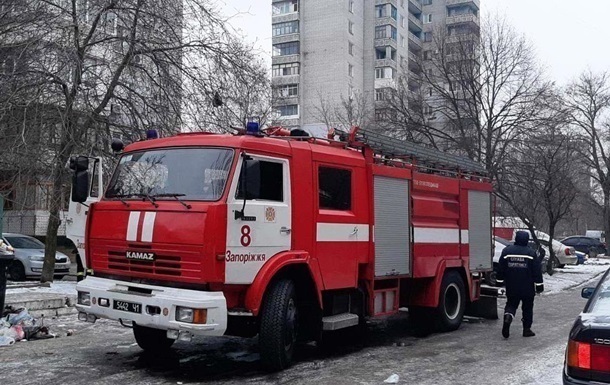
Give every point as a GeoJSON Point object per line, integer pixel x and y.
{"type": "Point", "coordinates": [140, 255]}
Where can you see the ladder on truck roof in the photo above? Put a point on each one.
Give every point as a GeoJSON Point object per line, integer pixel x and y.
{"type": "Point", "coordinates": [391, 147]}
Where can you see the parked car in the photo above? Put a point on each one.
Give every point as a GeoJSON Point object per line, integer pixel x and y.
{"type": "Point", "coordinates": [566, 255]}
{"type": "Point", "coordinates": [29, 257]}
{"type": "Point", "coordinates": [587, 245]}
{"type": "Point", "coordinates": [582, 257]}
{"type": "Point", "coordinates": [587, 358]}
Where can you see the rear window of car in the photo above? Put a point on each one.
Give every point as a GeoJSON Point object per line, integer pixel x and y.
{"type": "Point", "coordinates": [24, 243]}
{"type": "Point", "coordinates": [600, 302]}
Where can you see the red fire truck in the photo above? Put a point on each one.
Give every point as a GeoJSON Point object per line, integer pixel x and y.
{"type": "Point", "coordinates": [282, 235]}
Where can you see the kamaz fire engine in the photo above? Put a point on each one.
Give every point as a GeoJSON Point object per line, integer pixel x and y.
{"type": "Point", "coordinates": [286, 236]}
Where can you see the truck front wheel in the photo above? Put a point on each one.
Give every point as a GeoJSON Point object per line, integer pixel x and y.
{"type": "Point", "coordinates": [149, 339]}
{"type": "Point", "coordinates": [278, 325]}
{"type": "Point", "coordinates": [452, 302]}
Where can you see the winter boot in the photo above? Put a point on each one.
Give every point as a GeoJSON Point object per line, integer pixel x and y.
{"type": "Point", "coordinates": [528, 333]}
{"type": "Point", "coordinates": [508, 318]}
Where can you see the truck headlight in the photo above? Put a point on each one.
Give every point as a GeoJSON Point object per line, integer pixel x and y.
{"type": "Point", "coordinates": [84, 298]}
{"type": "Point", "coordinates": [36, 258]}
{"type": "Point", "coordinates": [192, 316]}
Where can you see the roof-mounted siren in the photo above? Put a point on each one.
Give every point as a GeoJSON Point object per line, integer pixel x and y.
{"type": "Point", "coordinates": [152, 134]}
{"type": "Point", "coordinates": [253, 128]}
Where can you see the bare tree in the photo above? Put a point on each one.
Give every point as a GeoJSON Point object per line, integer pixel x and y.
{"type": "Point", "coordinates": [477, 92]}
{"type": "Point", "coordinates": [97, 68]}
{"type": "Point", "coordinates": [540, 174]}
{"type": "Point", "coordinates": [588, 98]}
{"type": "Point", "coordinates": [347, 112]}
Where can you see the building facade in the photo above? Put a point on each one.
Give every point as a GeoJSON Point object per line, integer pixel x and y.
{"type": "Point", "coordinates": [328, 53]}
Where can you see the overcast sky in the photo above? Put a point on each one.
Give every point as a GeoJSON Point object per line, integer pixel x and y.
{"type": "Point", "coordinates": [569, 37]}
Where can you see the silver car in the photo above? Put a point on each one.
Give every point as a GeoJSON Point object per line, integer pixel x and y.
{"type": "Point", "coordinates": [29, 257]}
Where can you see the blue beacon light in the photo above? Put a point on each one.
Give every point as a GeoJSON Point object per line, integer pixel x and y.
{"type": "Point", "coordinates": [252, 128]}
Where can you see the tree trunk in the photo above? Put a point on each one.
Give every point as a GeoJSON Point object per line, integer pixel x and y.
{"type": "Point", "coordinates": [606, 209]}
{"type": "Point", "coordinates": [58, 174]}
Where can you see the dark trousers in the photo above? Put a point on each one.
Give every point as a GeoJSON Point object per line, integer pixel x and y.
{"type": "Point", "coordinates": [527, 308]}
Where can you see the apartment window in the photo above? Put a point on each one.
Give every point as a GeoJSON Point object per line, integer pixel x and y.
{"type": "Point", "coordinates": [334, 188]}
{"type": "Point", "coordinates": [428, 110]}
{"type": "Point", "coordinates": [350, 27]}
{"type": "Point", "coordinates": [427, 36]}
{"type": "Point", "coordinates": [427, 18]}
{"type": "Point", "coordinates": [402, 21]}
{"type": "Point", "coordinates": [394, 13]}
{"type": "Point", "coordinates": [394, 33]}
{"type": "Point", "coordinates": [430, 91]}
{"type": "Point", "coordinates": [284, 7]}
{"type": "Point", "coordinates": [380, 11]}
{"type": "Point", "coordinates": [384, 73]}
{"type": "Point", "coordinates": [289, 110]}
{"type": "Point", "coordinates": [379, 95]}
{"type": "Point", "coordinates": [380, 53]}
{"type": "Point", "coordinates": [287, 28]}
{"type": "Point", "coordinates": [284, 49]}
{"type": "Point", "coordinates": [287, 69]}
{"type": "Point", "coordinates": [378, 73]}
{"type": "Point", "coordinates": [402, 41]}
{"type": "Point", "coordinates": [288, 90]}
{"type": "Point", "coordinates": [380, 32]}
{"type": "Point", "coordinates": [350, 70]}
{"type": "Point", "coordinates": [427, 2]}
{"type": "Point", "coordinates": [350, 48]}
{"type": "Point", "coordinates": [351, 6]}
{"type": "Point", "coordinates": [427, 55]}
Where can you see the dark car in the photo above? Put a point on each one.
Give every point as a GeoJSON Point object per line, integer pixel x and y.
{"type": "Point", "coordinates": [587, 245]}
{"type": "Point", "coordinates": [588, 353]}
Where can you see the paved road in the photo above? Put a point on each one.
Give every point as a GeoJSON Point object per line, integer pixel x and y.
{"type": "Point", "coordinates": [105, 353]}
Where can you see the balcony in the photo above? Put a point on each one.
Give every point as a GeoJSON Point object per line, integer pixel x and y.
{"type": "Point", "coordinates": [382, 2]}
{"type": "Point", "coordinates": [385, 63]}
{"type": "Point", "coordinates": [468, 18]}
{"type": "Point", "coordinates": [472, 3]}
{"type": "Point", "coordinates": [385, 42]}
{"type": "Point", "coordinates": [415, 42]}
{"type": "Point", "coordinates": [415, 6]}
{"type": "Point", "coordinates": [463, 38]}
{"type": "Point", "coordinates": [415, 24]}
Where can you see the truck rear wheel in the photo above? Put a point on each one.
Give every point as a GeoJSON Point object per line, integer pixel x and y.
{"type": "Point", "coordinates": [452, 302]}
{"type": "Point", "coordinates": [153, 340]}
{"type": "Point", "coordinates": [278, 325]}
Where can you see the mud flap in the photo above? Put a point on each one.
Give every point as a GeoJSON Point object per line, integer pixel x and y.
{"type": "Point", "coordinates": [487, 305]}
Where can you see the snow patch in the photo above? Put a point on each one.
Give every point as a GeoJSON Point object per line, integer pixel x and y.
{"type": "Point", "coordinates": [67, 288]}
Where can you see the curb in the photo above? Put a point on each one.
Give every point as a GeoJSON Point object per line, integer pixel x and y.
{"type": "Point", "coordinates": [43, 304]}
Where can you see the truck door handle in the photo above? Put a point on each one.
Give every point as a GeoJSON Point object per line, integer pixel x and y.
{"type": "Point", "coordinates": [354, 232]}
{"type": "Point", "coordinates": [285, 230]}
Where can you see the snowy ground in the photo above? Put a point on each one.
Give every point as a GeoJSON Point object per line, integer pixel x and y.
{"type": "Point", "coordinates": [60, 287]}
{"type": "Point", "coordinates": [574, 275]}
{"type": "Point", "coordinates": [104, 353]}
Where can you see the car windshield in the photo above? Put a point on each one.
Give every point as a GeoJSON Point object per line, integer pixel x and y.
{"type": "Point", "coordinates": [24, 242]}
{"type": "Point", "coordinates": [600, 302]}
{"type": "Point", "coordinates": [185, 173]}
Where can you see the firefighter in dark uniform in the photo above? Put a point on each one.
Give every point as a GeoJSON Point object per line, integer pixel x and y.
{"type": "Point", "coordinates": [520, 270]}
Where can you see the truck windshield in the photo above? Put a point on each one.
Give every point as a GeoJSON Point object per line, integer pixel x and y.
{"type": "Point", "coordinates": [188, 173]}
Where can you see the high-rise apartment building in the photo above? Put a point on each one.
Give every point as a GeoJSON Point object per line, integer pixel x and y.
{"type": "Point", "coordinates": [325, 52]}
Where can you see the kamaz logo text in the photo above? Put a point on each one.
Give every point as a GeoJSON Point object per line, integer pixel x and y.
{"type": "Point", "coordinates": [141, 256]}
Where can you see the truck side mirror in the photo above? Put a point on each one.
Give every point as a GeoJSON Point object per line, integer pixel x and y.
{"type": "Point", "coordinates": [80, 186]}
{"type": "Point", "coordinates": [80, 179]}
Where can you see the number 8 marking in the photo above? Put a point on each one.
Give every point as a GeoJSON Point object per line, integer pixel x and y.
{"type": "Point", "coordinates": [245, 236]}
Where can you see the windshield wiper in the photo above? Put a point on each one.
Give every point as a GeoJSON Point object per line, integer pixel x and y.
{"type": "Point", "coordinates": [120, 197]}
{"type": "Point", "coordinates": [175, 196]}
{"type": "Point", "coordinates": [139, 195]}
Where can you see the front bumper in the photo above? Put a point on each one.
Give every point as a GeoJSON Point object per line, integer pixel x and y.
{"type": "Point", "coordinates": [159, 297]}
{"type": "Point", "coordinates": [568, 259]}
{"type": "Point", "coordinates": [35, 268]}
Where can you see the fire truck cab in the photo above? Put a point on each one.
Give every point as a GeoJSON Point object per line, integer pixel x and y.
{"type": "Point", "coordinates": [287, 237]}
